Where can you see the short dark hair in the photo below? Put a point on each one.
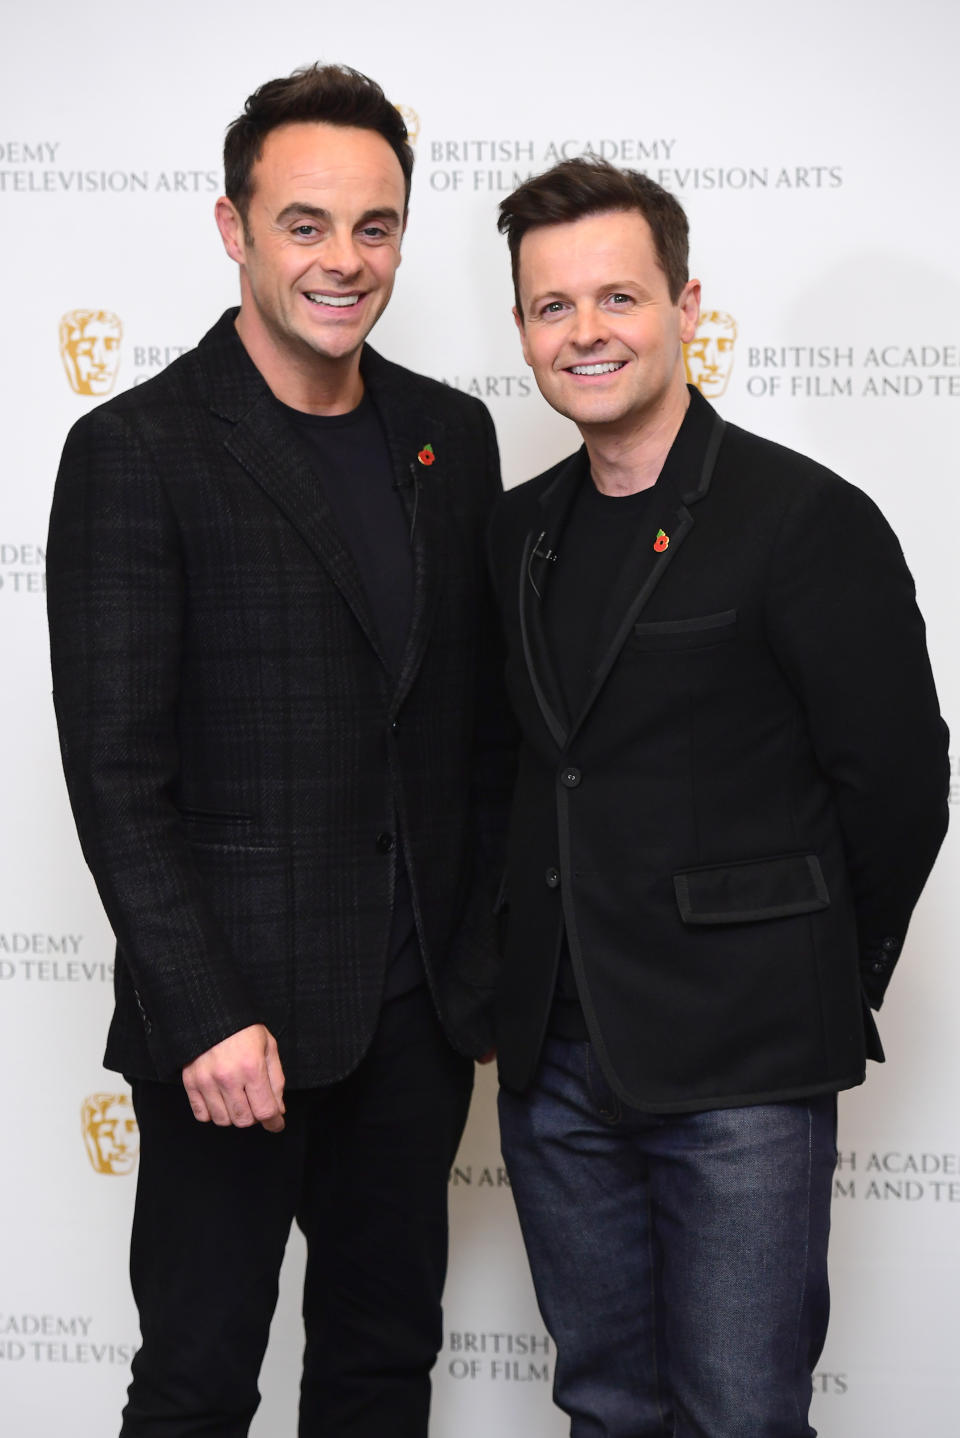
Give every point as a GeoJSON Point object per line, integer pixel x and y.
{"type": "Point", "coordinates": [333, 94]}
{"type": "Point", "coordinates": [591, 186]}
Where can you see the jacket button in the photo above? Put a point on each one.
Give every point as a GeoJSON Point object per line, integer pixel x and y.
{"type": "Point", "coordinates": [552, 878]}
{"type": "Point", "coordinates": [878, 966]}
{"type": "Point", "coordinates": [570, 778]}
{"type": "Point", "coordinates": [395, 728]}
{"type": "Point", "coordinates": [891, 945]}
{"type": "Point", "coordinates": [385, 843]}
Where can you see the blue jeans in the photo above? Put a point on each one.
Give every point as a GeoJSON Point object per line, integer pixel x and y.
{"type": "Point", "coordinates": [679, 1260]}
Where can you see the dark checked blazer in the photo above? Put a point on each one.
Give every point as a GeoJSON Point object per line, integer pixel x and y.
{"type": "Point", "coordinates": [236, 754]}
{"type": "Point", "coordinates": [736, 825]}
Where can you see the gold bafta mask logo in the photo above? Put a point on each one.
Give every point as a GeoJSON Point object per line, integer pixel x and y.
{"type": "Point", "coordinates": [90, 349]}
{"type": "Point", "coordinates": [708, 358]}
{"type": "Point", "coordinates": [110, 1132]}
{"type": "Point", "coordinates": [412, 121]}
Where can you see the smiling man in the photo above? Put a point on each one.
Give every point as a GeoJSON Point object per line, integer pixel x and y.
{"type": "Point", "coordinates": [278, 705]}
{"type": "Point", "coordinates": [733, 783]}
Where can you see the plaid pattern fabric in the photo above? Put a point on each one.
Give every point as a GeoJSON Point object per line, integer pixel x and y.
{"type": "Point", "coordinates": [236, 755]}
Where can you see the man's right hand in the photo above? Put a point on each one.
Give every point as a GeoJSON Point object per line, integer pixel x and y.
{"type": "Point", "coordinates": [239, 1081]}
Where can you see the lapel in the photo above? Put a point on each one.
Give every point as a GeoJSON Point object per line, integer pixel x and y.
{"type": "Point", "coordinates": [536, 571]}
{"type": "Point", "coordinates": [271, 453]}
{"type": "Point", "coordinates": [683, 482]}
{"type": "Point", "coordinates": [423, 489]}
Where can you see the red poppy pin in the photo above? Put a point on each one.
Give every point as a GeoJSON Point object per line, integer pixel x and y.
{"type": "Point", "coordinates": [661, 541]}
{"type": "Point", "coordinates": [426, 455]}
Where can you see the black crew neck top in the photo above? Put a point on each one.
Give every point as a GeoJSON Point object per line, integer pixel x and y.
{"type": "Point", "coordinates": [352, 465]}
{"type": "Point", "coordinates": [594, 545]}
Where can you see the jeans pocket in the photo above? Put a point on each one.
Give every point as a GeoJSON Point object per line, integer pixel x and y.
{"type": "Point", "coordinates": [604, 1099]}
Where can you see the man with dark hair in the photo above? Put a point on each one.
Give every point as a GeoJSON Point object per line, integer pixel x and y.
{"type": "Point", "coordinates": [576, 188]}
{"type": "Point", "coordinates": [732, 786]}
{"type": "Point", "coordinates": [278, 710]}
{"type": "Point", "coordinates": [328, 94]}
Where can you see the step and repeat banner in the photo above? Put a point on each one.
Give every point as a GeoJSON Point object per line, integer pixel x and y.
{"type": "Point", "coordinates": [813, 148]}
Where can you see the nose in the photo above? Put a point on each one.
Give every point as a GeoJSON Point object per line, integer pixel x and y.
{"type": "Point", "coordinates": [589, 327]}
{"type": "Point", "coordinates": [339, 254]}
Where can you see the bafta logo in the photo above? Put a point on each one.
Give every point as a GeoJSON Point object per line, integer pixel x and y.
{"type": "Point", "coordinates": [412, 121]}
{"type": "Point", "coordinates": [90, 349]}
{"type": "Point", "coordinates": [110, 1132]}
{"type": "Point", "coordinates": [708, 358]}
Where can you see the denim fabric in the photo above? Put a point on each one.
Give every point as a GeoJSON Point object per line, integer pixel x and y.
{"type": "Point", "coordinates": [679, 1260]}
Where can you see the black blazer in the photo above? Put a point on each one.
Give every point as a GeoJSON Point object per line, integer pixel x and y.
{"type": "Point", "coordinates": [238, 759]}
{"type": "Point", "coordinates": [735, 827]}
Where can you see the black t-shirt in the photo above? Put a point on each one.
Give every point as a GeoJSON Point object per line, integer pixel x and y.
{"type": "Point", "coordinates": [592, 548]}
{"type": "Point", "coordinates": [598, 534]}
{"type": "Point", "coordinates": [354, 470]}
{"type": "Point", "coordinates": [353, 467]}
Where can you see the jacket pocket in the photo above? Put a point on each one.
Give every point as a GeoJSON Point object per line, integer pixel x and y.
{"type": "Point", "coordinates": [207, 818]}
{"type": "Point", "coordinates": [250, 892]}
{"type": "Point", "coordinates": [692, 633]}
{"type": "Point", "coordinates": [774, 888]}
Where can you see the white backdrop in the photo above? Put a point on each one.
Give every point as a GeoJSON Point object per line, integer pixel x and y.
{"type": "Point", "coordinates": [814, 149]}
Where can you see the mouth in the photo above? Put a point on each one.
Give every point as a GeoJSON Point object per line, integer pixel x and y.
{"type": "Point", "coordinates": [606, 367]}
{"type": "Point", "coordinates": [334, 302]}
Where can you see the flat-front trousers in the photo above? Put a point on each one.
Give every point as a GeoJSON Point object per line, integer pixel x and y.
{"type": "Point", "coordinates": [363, 1167]}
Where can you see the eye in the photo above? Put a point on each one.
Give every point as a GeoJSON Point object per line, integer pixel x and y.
{"type": "Point", "coordinates": [619, 298]}
{"type": "Point", "coordinates": [373, 232]}
{"type": "Point", "coordinates": [552, 307]}
{"type": "Point", "coordinates": [304, 231]}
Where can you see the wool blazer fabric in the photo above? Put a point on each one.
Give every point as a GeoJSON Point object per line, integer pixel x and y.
{"type": "Point", "coordinates": [240, 762]}
{"type": "Point", "coordinates": [735, 827]}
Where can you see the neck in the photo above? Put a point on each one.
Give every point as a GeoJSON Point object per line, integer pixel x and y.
{"type": "Point", "coordinates": [307, 381]}
{"type": "Point", "coordinates": [624, 461]}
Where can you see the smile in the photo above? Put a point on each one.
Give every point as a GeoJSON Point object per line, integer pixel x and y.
{"type": "Point", "coordinates": [338, 302]}
{"type": "Point", "coordinates": [607, 368]}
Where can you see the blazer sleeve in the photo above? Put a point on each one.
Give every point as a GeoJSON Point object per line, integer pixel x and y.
{"type": "Point", "coordinates": [116, 605]}
{"type": "Point", "coordinates": [842, 616]}
{"type": "Point", "coordinates": [473, 962]}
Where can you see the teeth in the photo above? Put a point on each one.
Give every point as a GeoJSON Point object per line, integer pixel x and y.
{"type": "Point", "coordinates": [338, 301]}
{"type": "Point", "coordinates": [597, 368]}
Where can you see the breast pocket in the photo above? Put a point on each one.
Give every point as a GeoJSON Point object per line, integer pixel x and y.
{"type": "Point", "coordinates": [698, 632]}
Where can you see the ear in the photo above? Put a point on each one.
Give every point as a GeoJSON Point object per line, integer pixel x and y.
{"type": "Point", "coordinates": [689, 306]}
{"type": "Point", "coordinates": [521, 330]}
{"type": "Point", "coordinates": [230, 226]}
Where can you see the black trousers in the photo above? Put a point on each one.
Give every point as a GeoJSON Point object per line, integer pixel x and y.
{"type": "Point", "coordinates": [362, 1166]}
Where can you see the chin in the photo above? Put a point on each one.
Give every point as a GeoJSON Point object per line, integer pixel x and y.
{"type": "Point", "coordinates": [599, 414]}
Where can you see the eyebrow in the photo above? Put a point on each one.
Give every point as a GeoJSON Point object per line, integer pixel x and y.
{"type": "Point", "coordinates": [316, 212]}
{"type": "Point", "coordinates": [610, 287]}
{"type": "Point", "coordinates": [550, 295]}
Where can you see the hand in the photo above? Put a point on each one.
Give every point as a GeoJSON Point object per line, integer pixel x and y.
{"type": "Point", "coordinates": [239, 1081]}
